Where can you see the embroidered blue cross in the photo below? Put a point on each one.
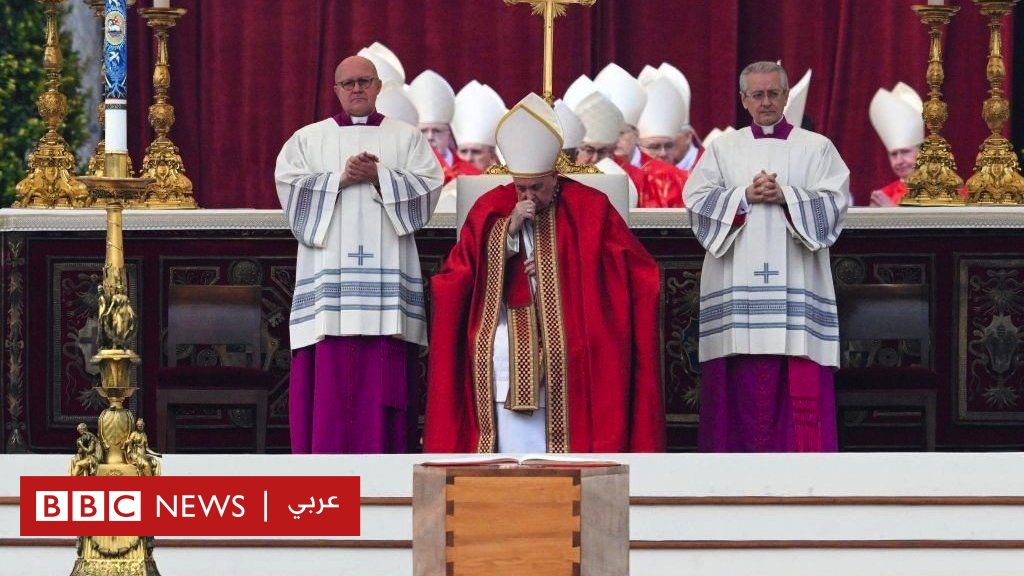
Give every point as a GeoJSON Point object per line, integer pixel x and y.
{"type": "Point", "coordinates": [365, 255]}
{"type": "Point", "coordinates": [766, 272]}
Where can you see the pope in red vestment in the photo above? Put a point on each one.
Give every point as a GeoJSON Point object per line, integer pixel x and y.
{"type": "Point", "coordinates": [596, 306]}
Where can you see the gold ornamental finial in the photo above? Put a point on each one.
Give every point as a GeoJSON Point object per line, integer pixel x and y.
{"type": "Point", "coordinates": [549, 9]}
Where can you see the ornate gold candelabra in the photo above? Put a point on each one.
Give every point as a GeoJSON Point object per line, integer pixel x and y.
{"type": "Point", "coordinates": [996, 178]}
{"type": "Point", "coordinates": [96, 161]}
{"type": "Point", "coordinates": [121, 447]}
{"type": "Point", "coordinates": [934, 181]}
{"type": "Point", "coordinates": [170, 187]}
{"type": "Point", "coordinates": [50, 182]}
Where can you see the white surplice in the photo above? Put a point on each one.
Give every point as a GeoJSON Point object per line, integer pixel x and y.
{"type": "Point", "coordinates": [357, 270]}
{"type": "Point", "coordinates": [766, 284]}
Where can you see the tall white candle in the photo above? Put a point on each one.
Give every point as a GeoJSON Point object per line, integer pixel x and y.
{"type": "Point", "coordinates": [161, 3]}
{"type": "Point", "coordinates": [115, 69]}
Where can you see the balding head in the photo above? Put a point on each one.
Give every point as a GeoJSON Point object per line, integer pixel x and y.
{"type": "Point", "coordinates": [356, 85]}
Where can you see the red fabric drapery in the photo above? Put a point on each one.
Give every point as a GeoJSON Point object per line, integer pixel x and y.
{"type": "Point", "coordinates": [247, 73]}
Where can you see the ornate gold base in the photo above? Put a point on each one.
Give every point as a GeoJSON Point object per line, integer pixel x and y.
{"type": "Point", "coordinates": [997, 179]}
{"type": "Point", "coordinates": [171, 189]}
{"type": "Point", "coordinates": [934, 181]}
{"type": "Point", "coordinates": [50, 182]}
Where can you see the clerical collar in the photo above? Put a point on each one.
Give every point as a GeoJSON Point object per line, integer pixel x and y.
{"type": "Point", "coordinates": [780, 130]}
{"type": "Point", "coordinates": [344, 119]}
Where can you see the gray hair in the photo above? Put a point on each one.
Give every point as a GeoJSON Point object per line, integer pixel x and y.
{"type": "Point", "coordinates": [763, 67]}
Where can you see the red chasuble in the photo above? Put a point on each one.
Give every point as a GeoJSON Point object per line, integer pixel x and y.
{"type": "Point", "coordinates": [664, 186]}
{"type": "Point", "coordinates": [597, 316]}
{"type": "Point", "coordinates": [459, 167]}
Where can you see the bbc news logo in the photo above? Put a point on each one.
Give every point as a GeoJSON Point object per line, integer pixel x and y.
{"type": "Point", "coordinates": [190, 505]}
{"type": "Point", "coordinates": [88, 506]}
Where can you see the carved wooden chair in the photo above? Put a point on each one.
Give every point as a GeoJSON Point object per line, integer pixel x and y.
{"type": "Point", "coordinates": [213, 315]}
{"type": "Point", "coordinates": [888, 312]}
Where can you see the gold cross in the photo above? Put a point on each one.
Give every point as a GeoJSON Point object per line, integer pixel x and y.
{"type": "Point", "coordinates": [550, 9]}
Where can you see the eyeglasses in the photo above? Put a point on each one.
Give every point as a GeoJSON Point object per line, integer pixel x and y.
{"type": "Point", "coordinates": [761, 95]}
{"type": "Point", "coordinates": [666, 146]}
{"type": "Point", "coordinates": [348, 85]}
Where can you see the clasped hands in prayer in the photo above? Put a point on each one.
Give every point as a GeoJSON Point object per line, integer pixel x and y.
{"type": "Point", "coordinates": [764, 189]}
{"type": "Point", "coordinates": [524, 210]}
{"type": "Point", "coordinates": [361, 168]}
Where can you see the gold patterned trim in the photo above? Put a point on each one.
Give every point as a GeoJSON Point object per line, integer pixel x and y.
{"type": "Point", "coordinates": [483, 352]}
{"type": "Point", "coordinates": [552, 330]}
{"type": "Point", "coordinates": [524, 360]}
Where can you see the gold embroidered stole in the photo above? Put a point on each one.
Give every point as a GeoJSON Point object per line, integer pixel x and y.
{"type": "Point", "coordinates": [536, 339]}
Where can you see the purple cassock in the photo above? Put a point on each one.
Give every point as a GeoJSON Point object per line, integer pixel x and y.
{"type": "Point", "coordinates": [351, 395]}
{"type": "Point", "coordinates": [766, 403]}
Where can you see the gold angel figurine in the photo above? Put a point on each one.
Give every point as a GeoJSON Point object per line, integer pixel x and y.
{"type": "Point", "coordinates": [89, 455]}
{"type": "Point", "coordinates": [136, 451]}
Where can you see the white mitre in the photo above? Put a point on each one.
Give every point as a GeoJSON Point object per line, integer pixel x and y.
{"type": "Point", "coordinates": [393, 102]}
{"type": "Point", "coordinates": [572, 129]}
{"type": "Point", "coordinates": [623, 90]}
{"type": "Point", "coordinates": [663, 114]}
{"type": "Point", "coordinates": [678, 79]}
{"type": "Point", "coordinates": [530, 138]}
{"type": "Point", "coordinates": [386, 69]}
{"type": "Point", "coordinates": [578, 90]}
{"type": "Point", "coordinates": [647, 75]}
{"type": "Point", "coordinates": [478, 108]}
{"type": "Point", "coordinates": [601, 119]}
{"type": "Point", "coordinates": [896, 116]}
{"type": "Point", "coordinates": [794, 110]}
{"type": "Point", "coordinates": [390, 57]}
{"type": "Point", "coordinates": [433, 97]}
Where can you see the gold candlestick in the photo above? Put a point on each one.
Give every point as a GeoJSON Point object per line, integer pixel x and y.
{"type": "Point", "coordinates": [50, 182]}
{"type": "Point", "coordinates": [96, 161]}
{"type": "Point", "coordinates": [121, 448]}
{"type": "Point", "coordinates": [170, 188]}
{"type": "Point", "coordinates": [996, 178]}
{"type": "Point", "coordinates": [934, 181]}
